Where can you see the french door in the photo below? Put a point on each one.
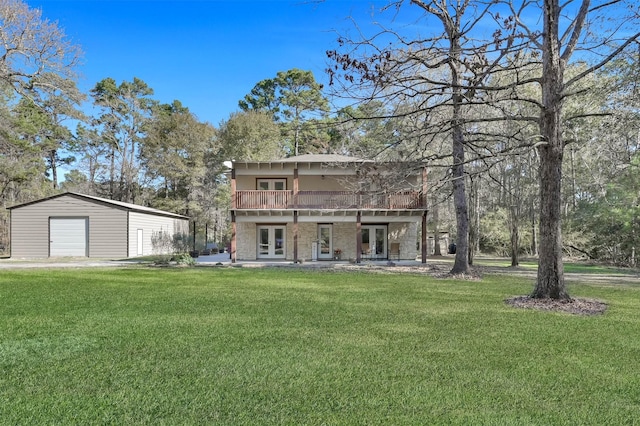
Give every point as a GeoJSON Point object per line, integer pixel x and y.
{"type": "Point", "coordinates": [271, 242]}
{"type": "Point", "coordinates": [374, 241]}
{"type": "Point", "coordinates": [325, 245]}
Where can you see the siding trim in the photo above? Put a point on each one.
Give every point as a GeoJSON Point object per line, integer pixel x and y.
{"type": "Point", "coordinates": [128, 230]}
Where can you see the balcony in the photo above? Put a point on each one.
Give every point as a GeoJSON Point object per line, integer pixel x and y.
{"type": "Point", "coordinates": [329, 200]}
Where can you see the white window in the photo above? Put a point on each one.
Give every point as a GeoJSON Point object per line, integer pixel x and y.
{"type": "Point", "coordinates": [272, 184]}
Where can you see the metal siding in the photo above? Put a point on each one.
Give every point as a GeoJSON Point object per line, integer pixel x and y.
{"type": "Point", "coordinates": [151, 224]}
{"type": "Point", "coordinates": [68, 236]}
{"type": "Point", "coordinates": [30, 232]}
{"type": "Point", "coordinates": [30, 227]}
{"type": "Point", "coordinates": [140, 242]}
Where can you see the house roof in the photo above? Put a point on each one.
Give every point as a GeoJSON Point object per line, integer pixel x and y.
{"type": "Point", "coordinates": [321, 158]}
{"type": "Point", "coordinates": [310, 158]}
{"type": "Point", "coordinates": [106, 201]}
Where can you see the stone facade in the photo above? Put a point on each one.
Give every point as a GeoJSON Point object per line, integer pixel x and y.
{"type": "Point", "coordinates": [344, 238]}
{"type": "Point", "coordinates": [407, 235]}
{"type": "Point", "coordinates": [247, 241]}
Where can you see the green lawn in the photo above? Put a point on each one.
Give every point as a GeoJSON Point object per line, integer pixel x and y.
{"type": "Point", "coordinates": [272, 346]}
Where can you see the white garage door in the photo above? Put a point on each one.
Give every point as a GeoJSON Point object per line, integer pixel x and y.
{"type": "Point", "coordinates": [68, 237]}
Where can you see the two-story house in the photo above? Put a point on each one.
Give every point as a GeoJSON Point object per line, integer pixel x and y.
{"type": "Point", "coordinates": [323, 207]}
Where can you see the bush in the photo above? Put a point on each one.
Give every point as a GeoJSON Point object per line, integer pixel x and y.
{"type": "Point", "coordinates": [161, 242]}
{"type": "Point", "coordinates": [184, 259]}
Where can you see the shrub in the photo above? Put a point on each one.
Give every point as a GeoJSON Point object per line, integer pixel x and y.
{"type": "Point", "coordinates": [184, 259]}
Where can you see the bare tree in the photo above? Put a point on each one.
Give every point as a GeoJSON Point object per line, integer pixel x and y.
{"type": "Point", "coordinates": [35, 54]}
{"type": "Point", "coordinates": [440, 76]}
{"type": "Point", "coordinates": [569, 33]}
{"type": "Point", "coordinates": [37, 62]}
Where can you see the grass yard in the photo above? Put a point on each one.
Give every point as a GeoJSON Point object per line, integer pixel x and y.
{"type": "Point", "coordinates": [272, 346]}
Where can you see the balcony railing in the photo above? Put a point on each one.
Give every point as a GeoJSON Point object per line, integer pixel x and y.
{"type": "Point", "coordinates": [257, 199]}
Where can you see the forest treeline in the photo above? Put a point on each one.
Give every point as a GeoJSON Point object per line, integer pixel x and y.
{"type": "Point", "coordinates": [118, 142]}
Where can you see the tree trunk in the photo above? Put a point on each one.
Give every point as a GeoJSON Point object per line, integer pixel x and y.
{"type": "Point", "coordinates": [534, 235]}
{"type": "Point", "coordinates": [54, 169]}
{"type": "Point", "coordinates": [550, 282]}
{"type": "Point", "coordinates": [461, 264]}
{"type": "Point", "coordinates": [515, 238]}
{"type": "Point", "coordinates": [112, 173]}
{"type": "Point", "coordinates": [436, 230]}
{"type": "Point", "coordinates": [473, 193]}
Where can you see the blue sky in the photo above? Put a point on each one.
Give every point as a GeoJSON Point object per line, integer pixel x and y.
{"type": "Point", "coordinates": [207, 54]}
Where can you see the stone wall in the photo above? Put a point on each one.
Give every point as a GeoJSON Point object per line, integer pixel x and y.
{"type": "Point", "coordinates": [407, 235]}
{"type": "Point", "coordinates": [246, 241]}
{"type": "Point", "coordinates": [344, 238]}
{"type": "Point", "coordinates": [307, 233]}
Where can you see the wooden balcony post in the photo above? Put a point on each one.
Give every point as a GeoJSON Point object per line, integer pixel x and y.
{"type": "Point", "coordinates": [232, 253]}
{"type": "Point", "coordinates": [423, 198]}
{"type": "Point", "coordinates": [358, 237]}
{"type": "Point", "coordinates": [424, 237]}
{"type": "Point", "coordinates": [295, 187]}
{"type": "Point", "coordinates": [233, 188]}
{"type": "Point", "coordinates": [295, 236]}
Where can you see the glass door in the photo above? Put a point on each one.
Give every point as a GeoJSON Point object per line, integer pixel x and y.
{"type": "Point", "coordinates": [263, 242]}
{"type": "Point", "coordinates": [278, 242]}
{"type": "Point", "coordinates": [325, 245]}
{"type": "Point", "coordinates": [271, 242]}
{"type": "Point", "coordinates": [374, 242]}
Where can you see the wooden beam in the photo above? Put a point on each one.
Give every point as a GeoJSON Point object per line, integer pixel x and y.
{"type": "Point", "coordinates": [233, 187]}
{"type": "Point", "coordinates": [233, 237]}
{"type": "Point", "coordinates": [358, 237]}
{"type": "Point", "coordinates": [296, 187]}
{"type": "Point", "coordinates": [423, 198]}
{"type": "Point", "coordinates": [424, 237]}
{"type": "Point", "coordinates": [295, 236]}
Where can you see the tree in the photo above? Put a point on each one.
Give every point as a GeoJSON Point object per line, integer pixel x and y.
{"type": "Point", "coordinates": [262, 98]}
{"type": "Point", "coordinates": [92, 152]}
{"type": "Point", "coordinates": [603, 169]}
{"type": "Point", "coordinates": [364, 131]}
{"type": "Point", "coordinates": [35, 54]}
{"type": "Point", "coordinates": [125, 110]}
{"type": "Point", "coordinates": [434, 79]}
{"type": "Point", "coordinates": [36, 61]}
{"type": "Point", "coordinates": [294, 99]}
{"type": "Point", "coordinates": [172, 154]}
{"type": "Point", "coordinates": [43, 122]}
{"type": "Point", "coordinates": [251, 136]}
{"type": "Point", "coordinates": [567, 35]}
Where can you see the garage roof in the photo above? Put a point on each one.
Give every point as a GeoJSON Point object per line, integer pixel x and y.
{"type": "Point", "coordinates": [105, 201]}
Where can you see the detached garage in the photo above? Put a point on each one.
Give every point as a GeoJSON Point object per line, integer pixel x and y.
{"type": "Point", "coordinates": [78, 225]}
